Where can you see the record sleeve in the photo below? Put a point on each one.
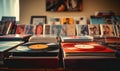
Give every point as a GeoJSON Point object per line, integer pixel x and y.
{"type": "Point", "coordinates": [108, 30]}
{"type": "Point", "coordinates": [56, 29]}
{"type": "Point", "coordinates": [43, 38]}
{"type": "Point", "coordinates": [30, 29]}
{"type": "Point", "coordinates": [76, 38]}
{"type": "Point", "coordinates": [71, 30]}
{"type": "Point", "coordinates": [55, 20]}
{"type": "Point", "coordinates": [94, 30]}
{"type": "Point", "coordinates": [67, 20]}
{"type": "Point", "coordinates": [80, 20]}
{"type": "Point", "coordinates": [82, 30]}
{"type": "Point", "coordinates": [20, 29]}
{"type": "Point", "coordinates": [97, 20]}
{"type": "Point", "coordinates": [39, 30]}
{"type": "Point", "coordinates": [47, 28]}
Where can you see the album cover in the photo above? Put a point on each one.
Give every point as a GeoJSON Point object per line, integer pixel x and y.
{"type": "Point", "coordinates": [94, 30]}
{"type": "Point", "coordinates": [108, 30]}
{"type": "Point", "coordinates": [20, 29]}
{"type": "Point", "coordinates": [55, 20]}
{"type": "Point", "coordinates": [82, 30]}
{"type": "Point", "coordinates": [97, 20]}
{"type": "Point", "coordinates": [7, 27]}
{"type": "Point", "coordinates": [63, 30]}
{"type": "Point", "coordinates": [68, 20]}
{"type": "Point", "coordinates": [116, 20]}
{"type": "Point", "coordinates": [56, 29]}
{"type": "Point", "coordinates": [71, 30]}
{"type": "Point", "coordinates": [47, 29]}
{"type": "Point", "coordinates": [1, 28]}
{"type": "Point", "coordinates": [39, 30]}
{"type": "Point", "coordinates": [30, 29]}
{"type": "Point", "coordinates": [80, 20]}
{"type": "Point", "coordinates": [118, 30]}
{"type": "Point", "coordinates": [108, 19]}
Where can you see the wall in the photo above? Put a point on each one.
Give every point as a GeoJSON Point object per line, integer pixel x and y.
{"type": "Point", "coordinates": [37, 7]}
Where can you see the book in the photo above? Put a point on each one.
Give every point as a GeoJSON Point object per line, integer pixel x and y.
{"type": "Point", "coordinates": [82, 30]}
{"type": "Point", "coordinates": [56, 29]}
{"type": "Point", "coordinates": [80, 20]}
{"type": "Point", "coordinates": [20, 29]}
{"type": "Point", "coordinates": [94, 30]}
{"type": "Point", "coordinates": [97, 20]}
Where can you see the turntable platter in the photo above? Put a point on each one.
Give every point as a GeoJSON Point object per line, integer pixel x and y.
{"type": "Point", "coordinates": [38, 46]}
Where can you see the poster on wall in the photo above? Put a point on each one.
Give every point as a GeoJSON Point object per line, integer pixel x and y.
{"type": "Point", "coordinates": [63, 5]}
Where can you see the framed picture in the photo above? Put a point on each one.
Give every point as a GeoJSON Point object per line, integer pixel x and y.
{"type": "Point", "coordinates": [38, 20]}
{"type": "Point", "coordinates": [63, 5]}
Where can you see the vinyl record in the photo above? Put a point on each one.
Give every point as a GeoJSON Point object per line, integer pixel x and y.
{"type": "Point", "coordinates": [38, 46]}
{"type": "Point", "coordinates": [83, 47]}
{"type": "Point", "coordinates": [31, 46]}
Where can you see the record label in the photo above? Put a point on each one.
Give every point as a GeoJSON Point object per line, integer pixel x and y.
{"type": "Point", "coordinates": [38, 46]}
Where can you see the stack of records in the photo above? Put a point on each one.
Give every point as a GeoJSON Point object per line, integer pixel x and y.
{"type": "Point", "coordinates": [6, 46]}
{"type": "Point", "coordinates": [86, 48]}
{"type": "Point", "coordinates": [44, 39]}
{"type": "Point", "coordinates": [77, 39]}
{"type": "Point", "coordinates": [15, 37]}
{"type": "Point", "coordinates": [32, 54]}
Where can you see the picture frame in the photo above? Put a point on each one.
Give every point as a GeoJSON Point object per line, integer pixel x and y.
{"type": "Point", "coordinates": [8, 18]}
{"type": "Point", "coordinates": [38, 20]}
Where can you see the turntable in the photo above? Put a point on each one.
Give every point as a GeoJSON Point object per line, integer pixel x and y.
{"type": "Point", "coordinates": [34, 54]}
